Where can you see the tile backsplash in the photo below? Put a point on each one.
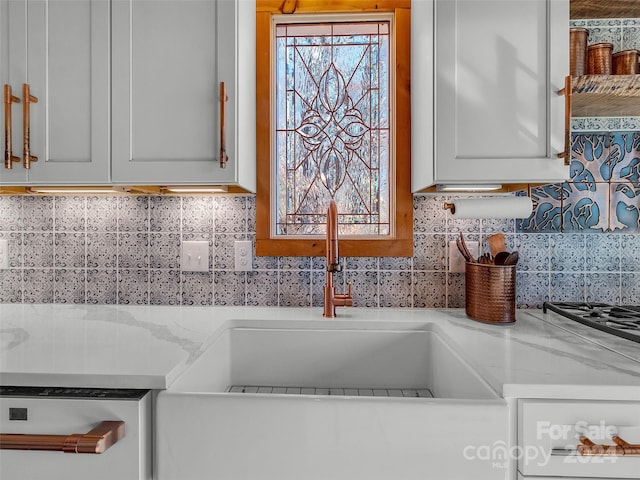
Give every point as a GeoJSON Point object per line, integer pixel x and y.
{"type": "Point", "coordinates": [126, 249]}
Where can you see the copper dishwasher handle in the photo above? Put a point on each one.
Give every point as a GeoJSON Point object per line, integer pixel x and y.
{"type": "Point", "coordinates": [567, 91]}
{"type": "Point", "coordinates": [27, 100]}
{"type": "Point", "coordinates": [223, 132]}
{"type": "Point", "coordinates": [97, 440]}
{"type": "Point", "coordinates": [621, 447]}
{"type": "Point", "coordinates": [9, 157]}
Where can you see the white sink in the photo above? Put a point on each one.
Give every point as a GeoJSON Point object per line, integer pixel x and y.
{"type": "Point", "coordinates": [328, 403]}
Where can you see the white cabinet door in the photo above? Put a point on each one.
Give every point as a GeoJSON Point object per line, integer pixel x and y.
{"type": "Point", "coordinates": [168, 59]}
{"type": "Point", "coordinates": [498, 68]}
{"type": "Point", "coordinates": [61, 49]}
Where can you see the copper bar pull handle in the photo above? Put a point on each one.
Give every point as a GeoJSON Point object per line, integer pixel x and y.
{"type": "Point", "coordinates": [9, 157]}
{"type": "Point", "coordinates": [27, 100]}
{"type": "Point", "coordinates": [223, 132]}
{"type": "Point", "coordinates": [97, 440]}
{"type": "Point", "coordinates": [566, 91]}
{"type": "Point", "coordinates": [620, 447]}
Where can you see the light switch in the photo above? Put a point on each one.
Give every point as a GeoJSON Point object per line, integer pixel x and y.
{"type": "Point", "coordinates": [4, 254]}
{"type": "Point", "coordinates": [194, 256]}
{"type": "Point", "coordinates": [456, 260]}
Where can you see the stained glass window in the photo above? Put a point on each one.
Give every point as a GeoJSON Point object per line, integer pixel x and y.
{"type": "Point", "coordinates": [333, 136]}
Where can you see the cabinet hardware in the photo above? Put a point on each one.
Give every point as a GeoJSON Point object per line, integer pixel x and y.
{"type": "Point", "coordinates": [97, 440]}
{"type": "Point", "coordinates": [621, 447]}
{"type": "Point", "coordinates": [566, 91]}
{"type": "Point", "coordinates": [27, 100]}
{"type": "Point", "coordinates": [9, 157]}
{"type": "Point", "coordinates": [223, 147]}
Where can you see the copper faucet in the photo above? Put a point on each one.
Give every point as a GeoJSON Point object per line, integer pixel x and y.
{"type": "Point", "coordinates": [331, 298]}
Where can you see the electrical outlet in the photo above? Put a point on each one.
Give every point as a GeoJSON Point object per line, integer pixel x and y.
{"type": "Point", "coordinates": [4, 254]}
{"type": "Point", "coordinates": [194, 256]}
{"type": "Point", "coordinates": [243, 250]}
{"type": "Point", "coordinates": [456, 260]}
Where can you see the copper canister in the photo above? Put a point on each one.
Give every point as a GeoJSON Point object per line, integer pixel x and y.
{"type": "Point", "coordinates": [578, 51]}
{"type": "Point", "coordinates": [599, 59]}
{"type": "Point", "coordinates": [490, 292]}
{"type": "Point", "coordinates": [625, 62]}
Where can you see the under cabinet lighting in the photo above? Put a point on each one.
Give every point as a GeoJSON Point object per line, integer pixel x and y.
{"type": "Point", "coordinates": [467, 188]}
{"type": "Point", "coordinates": [71, 190]}
{"type": "Point", "coordinates": [197, 189]}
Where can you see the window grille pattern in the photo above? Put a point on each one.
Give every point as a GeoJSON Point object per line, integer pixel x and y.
{"type": "Point", "coordinates": [333, 137]}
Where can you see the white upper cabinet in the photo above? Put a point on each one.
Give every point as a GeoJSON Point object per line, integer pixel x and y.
{"type": "Point", "coordinates": [60, 49]}
{"type": "Point", "coordinates": [169, 59]}
{"type": "Point", "coordinates": [485, 91]}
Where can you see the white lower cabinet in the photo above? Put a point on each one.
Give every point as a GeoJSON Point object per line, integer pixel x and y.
{"type": "Point", "coordinates": [550, 431]}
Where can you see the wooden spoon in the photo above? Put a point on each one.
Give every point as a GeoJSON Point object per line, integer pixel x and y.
{"type": "Point", "coordinates": [501, 257]}
{"type": "Point", "coordinates": [496, 243]}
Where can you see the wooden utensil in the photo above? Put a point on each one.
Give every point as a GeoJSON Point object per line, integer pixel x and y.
{"type": "Point", "coordinates": [501, 257]}
{"type": "Point", "coordinates": [496, 243]}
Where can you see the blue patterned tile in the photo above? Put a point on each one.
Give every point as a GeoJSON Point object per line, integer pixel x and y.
{"type": "Point", "coordinates": [429, 215]}
{"type": "Point", "coordinates": [567, 252]}
{"type": "Point", "coordinates": [263, 287]}
{"type": "Point", "coordinates": [586, 208]}
{"type": "Point", "coordinates": [498, 225]}
{"type": "Point", "coordinates": [10, 286]}
{"type": "Point", "coordinates": [133, 250]}
{"type": "Point", "coordinates": [547, 211]}
{"type": "Point", "coordinates": [230, 214]}
{"type": "Point", "coordinates": [69, 250]}
{"type": "Point", "coordinates": [456, 290]}
{"type": "Point", "coordinates": [625, 164]}
{"type": "Point", "coordinates": [608, 30]}
{"type": "Point", "coordinates": [165, 214]}
{"type": "Point", "coordinates": [164, 250]}
{"type": "Point", "coordinates": [429, 290]}
{"type": "Point", "coordinates": [395, 289]}
{"type": "Point", "coordinates": [430, 251]}
{"type": "Point", "coordinates": [37, 213]}
{"type": "Point", "coordinates": [294, 288]}
{"type": "Point", "coordinates": [603, 287]}
{"type": "Point", "coordinates": [395, 263]}
{"type": "Point", "coordinates": [360, 263]}
{"type": "Point", "coordinates": [532, 289]}
{"type": "Point", "coordinates": [37, 250]}
{"type": "Point", "coordinates": [364, 288]}
{"type": "Point", "coordinates": [102, 214]}
{"type": "Point", "coordinates": [630, 35]}
{"type": "Point", "coordinates": [102, 287]}
{"type": "Point", "coordinates": [133, 214]}
{"type": "Point", "coordinates": [224, 251]}
{"type": "Point", "coordinates": [14, 245]}
{"type": "Point", "coordinates": [630, 287]}
{"type": "Point", "coordinates": [624, 207]}
{"type": "Point", "coordinates": [294, 263]}
{"type": "Point", "coordinates": [603, 253]}
{"type": "Point", "coordinates": [534, 251]}
{"type": "Point", "coordinates": [630, 253]}
{"type": "Point", "coordinates": [102, 250]}
{"type": "Point", "coordinates": [588, 153]}
{"type": "Point", "coordinates": [197, 214]}
{"type": "Point", "coordinates": [251, 213]}
{"type": "Point", "coordinates": [567, 287]}
{"type": "Point", "coordinates": [11, 208]}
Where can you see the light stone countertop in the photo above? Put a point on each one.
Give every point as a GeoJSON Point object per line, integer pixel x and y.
{"type": "Point", "coordinates": [539, 356]}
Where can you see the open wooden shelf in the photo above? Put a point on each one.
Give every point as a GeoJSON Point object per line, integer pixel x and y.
{"type": "Point", "coordinates": [604, 9]}
{"type": "Point", "coordinates": [606, 96]}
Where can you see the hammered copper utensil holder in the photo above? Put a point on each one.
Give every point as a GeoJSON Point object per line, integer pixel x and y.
{"type": "Point", "coordinates": [490, 293]}
{"type": "Point", "coordinates": [578, 51]}
{"type": "Point", "coordinates": [625, 62]}
{"type": "Point", "coordinates": [599, 59]}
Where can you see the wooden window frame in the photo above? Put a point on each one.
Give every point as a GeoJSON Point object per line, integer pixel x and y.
{"type": "Point", "coordinates": [400, 244]}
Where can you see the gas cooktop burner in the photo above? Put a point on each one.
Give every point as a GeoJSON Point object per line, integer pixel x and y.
{"type": "Point", "coordinates": [620, 320]}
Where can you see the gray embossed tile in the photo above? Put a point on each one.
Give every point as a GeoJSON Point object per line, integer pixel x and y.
{"type": "Point", "coordinates": [37, 285]}
{"type": "Point", "coordinates": [164, 250]}
{"type": "Point", "coordinates": [102, 250]}
{"type": "Point", "coordinates": [133, 287]}
{"type": "Point", "coordinates": [295, 288]}
{"type": "Point", "coordinates": [603, 287]}
{"type": "Point", "coordinates": [69, 250]}
{"type": "Point", "coordinates": [37, 213]}
{"type": "Point", "coordinates": [133, 250]}
{"type": "Point", "coordinates": [395, 289]}
{"type": "Point", "coordinates": [10, 213]}
{"type": "Point", "coordinates": [69, 286]}
{"type": "Point", "coordinates": [197, 288]}
{"type": "Point", "coordinates": [102, 287]}
{"type": "Point", "coordinates": [165, 213]}
{"type": "Point", "coordinates": [603, 253]}
{"type": "Point", "coordinates": [197, 214]}
{"type": "Point", "coordinates": [37, 250]}
{"type": "Point", "coordinates": [164, 287]}
{"type": "Point", "coordinates": [429, 290]}
{"type": "Point", "coordinates": [102, 213]}
{"type": "Point", "coordinates": [133, 214]}
{"type": "Point", "coordinates": [10, 286]}
{"type": "Point", "coordinates": [229, 288]}
{"type": "Point", "coordinates": [70, 213]}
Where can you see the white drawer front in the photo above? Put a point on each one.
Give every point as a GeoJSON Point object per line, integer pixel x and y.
{"type": "Point", "coordinates": [546, 425]}
{"type": "Point", "coordinates": [128, 459]}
